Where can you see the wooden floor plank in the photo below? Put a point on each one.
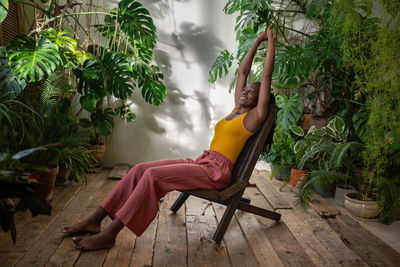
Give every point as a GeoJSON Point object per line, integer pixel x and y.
{"type": "Point", "coordinates": [201, 225]}
{"type": "Point", "coordinates": [370, 248]}
{"type": "Point", "coordinates": [42, 250]}
{"type": "Point", "coordinates": [323, 207]}
{"type": "Point", "coordinates": [318, 253]}
{"type": "Point", "coordinates": [202, 250]}
{"type": "Point", "coordinates": [29, 229]}
{"type": "Point", "coordinates": [170, 245]}
{"type": "Point", "coordinates": [318, 226]}
{"type": "Point", "coordinates": [59, 257]}
{"type": "Point", "coordinates": [261, 178]}
{"type": "Point", "coordinates": [255, 235]}
{"type": "Point", "coordinates": [144, 247]}
{"type": "Point", "coordinates": [121, 253]}
{"type": "Point", "coordinates": [119, 171]}
{"type": "Point", "coordinates": [238, 248]}
{"type": "Point", "coordinates": [329, 238]}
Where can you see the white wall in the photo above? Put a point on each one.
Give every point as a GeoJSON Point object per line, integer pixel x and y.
{"type": "Point", "coordinates": [191, 33]}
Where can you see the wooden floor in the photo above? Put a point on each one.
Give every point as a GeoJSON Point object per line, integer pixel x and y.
{"type": "Point", "coordinates": [319, 237]}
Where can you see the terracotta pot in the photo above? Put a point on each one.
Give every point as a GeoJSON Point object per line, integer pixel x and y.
{"type": "Point", "coordinates": [47, 180]}
{"type": "Point", "coordinates": [296, 176]}
{"type": "Point", "coordinates": [360, 208]}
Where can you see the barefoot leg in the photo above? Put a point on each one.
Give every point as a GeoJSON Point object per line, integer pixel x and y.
{"type": "Point", "coordinates": [104, 239]}
{"type": "Point", "coordinates": [91, 224]}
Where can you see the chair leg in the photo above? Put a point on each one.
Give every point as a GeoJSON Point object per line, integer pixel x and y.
{"type": "Point", "coordinates": [179, 202]}
{"type": "Point", "coordinates": [226, 219]}
{"type": "Point", "coordinates": [259, 211]}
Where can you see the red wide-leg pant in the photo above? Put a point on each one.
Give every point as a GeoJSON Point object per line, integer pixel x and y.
{"type": "Point", "coordinates": [135, 199]}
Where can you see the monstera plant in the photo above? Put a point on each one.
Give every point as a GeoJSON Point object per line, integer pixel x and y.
{"type": "Point", "coordinates": [106, 76]}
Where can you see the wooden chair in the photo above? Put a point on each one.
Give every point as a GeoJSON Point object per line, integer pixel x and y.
{"type": "Point", "coordinates": [232, 195]}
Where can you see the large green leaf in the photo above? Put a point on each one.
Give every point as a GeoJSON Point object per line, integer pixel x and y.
{"type": "Point", "coordinates": [91, 78]}
{"type": "Point", "coordinates": [103, 121]}
{"type": "Point", "coordinates": [117, 75]}
{"type": "Point", "coordinates": [290, 110]}
{"type": "Point", "coordinates": [221, 65]}
{"type": "Point", "coordinates": [134, 20]}
{"type": "Point", "coordinates": [293, 65]}
{"type": "Point", "coordinates": [61, 39]}
{"type": "Point", "coordinates": [9, 84]}
{"type": "Point", "coordinates": [149, 80]}
{"type": "Point", "coordinates": [32, 59]}
{"type": "Point", "coordinates": [3, 9]}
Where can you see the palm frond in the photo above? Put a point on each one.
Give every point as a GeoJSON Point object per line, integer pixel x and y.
{"type": "Point", "coordinates": [321, 178]}
{"type": "Point", "coordinates": [342, 152]}
{"type": "Point", "coordinates": [53, 88]}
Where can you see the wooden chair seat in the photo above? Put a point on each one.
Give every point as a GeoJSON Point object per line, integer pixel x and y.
{"type": "Point", "coordinates": [244, 166]}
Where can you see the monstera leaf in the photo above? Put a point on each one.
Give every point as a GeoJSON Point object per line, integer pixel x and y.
{"type": "Point", "coordinates": [3, 9]}
{"type": "Point", "coordinates": [221, 65]}
{"type": "Point", "coordinates": [293, 65]}
{"type": "Point", "coordinates": [61, 39]}
{"type": "Point", "coordinates": [135, 20]}
{"type": "Point", "coordinates": [91, 78]}
{"type": "Point", "coordinates": [9, 84]}
{"type": "Point", "coordinates": [290, 110]}
{"type": "Point", "coordinates": [32, 59]}
{"type": "Point", "coordinates": [117, 75]}
{"type": "Point", "coordinates": [103, 121]}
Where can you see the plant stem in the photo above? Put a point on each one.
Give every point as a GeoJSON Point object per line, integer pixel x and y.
{"type": "Point", "coordinates": [291, 29]}
{"type": "Point", "coordinates": [71, 14]}
{"type": "Point", "coordinates": [33, 5]}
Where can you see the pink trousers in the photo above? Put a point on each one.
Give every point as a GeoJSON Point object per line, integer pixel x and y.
{"type": "Point", "coordinates": [135, 199]}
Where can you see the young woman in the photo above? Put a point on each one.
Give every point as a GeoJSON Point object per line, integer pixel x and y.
{"type": "Point", "coordinates": [134, 200]}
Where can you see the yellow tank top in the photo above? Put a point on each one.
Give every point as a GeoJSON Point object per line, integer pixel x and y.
{"type": "Point", "coordinates": [230, 137]}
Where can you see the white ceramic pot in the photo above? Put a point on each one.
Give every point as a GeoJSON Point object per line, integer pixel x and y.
{"type": "Point", "coordinates": [360, 208]}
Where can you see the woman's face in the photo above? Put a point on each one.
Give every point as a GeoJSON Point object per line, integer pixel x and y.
{"type": "Point", "coordinates": [249, 95]}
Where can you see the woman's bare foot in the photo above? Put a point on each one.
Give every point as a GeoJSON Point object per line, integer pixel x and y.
{"type": "Point", "coordinates": [85, 226]}
{"type": "Point", "coordinates": [105, 239]}
{"type": "Point", "coordinates": [90, 225]}
{"type": "Point", "coordinates": [98, 241]}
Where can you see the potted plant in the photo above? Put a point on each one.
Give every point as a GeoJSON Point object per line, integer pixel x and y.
{"type": "Point", "coordinates": [15, 183]}
{"type": "Point", "coordinates": [296, 173]}
{"type": "Point", "coordinates": [329, 155]}
{"type": "Point", "coordinates": [104, 76]}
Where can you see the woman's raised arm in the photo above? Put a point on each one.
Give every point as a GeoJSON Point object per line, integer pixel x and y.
{"type": "Point", "coordinates": [265, 87]}
{"type": "Point", "coordinates": [245, 67]}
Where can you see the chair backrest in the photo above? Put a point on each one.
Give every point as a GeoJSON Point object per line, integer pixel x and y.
{"type": "Point", "coordinates": [247, 159]}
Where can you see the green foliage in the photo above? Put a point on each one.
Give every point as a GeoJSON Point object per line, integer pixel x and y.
{"type": "Point", "coordinates": [9, 84]}
{"type": "Point", "coordinates": [75, 159]}
{"type": "Point", "coordinates": [220, 67]}
{"type": "Point", "coordinates": [290, 111]}
{"type": "Point", "coordinates": [32, 59]}
{"type": "Point", "coordinates": [3, 10]}
{"type": "Point", "coordinates": [320, 178]}
{"type": "Point", "coordinates": [117, 75]}
{"type": "Point", "coordinates": [293, 65]}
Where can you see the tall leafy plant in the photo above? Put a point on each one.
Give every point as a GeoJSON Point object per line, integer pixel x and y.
{"type": "Point", "coordinates": [103, 73]}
